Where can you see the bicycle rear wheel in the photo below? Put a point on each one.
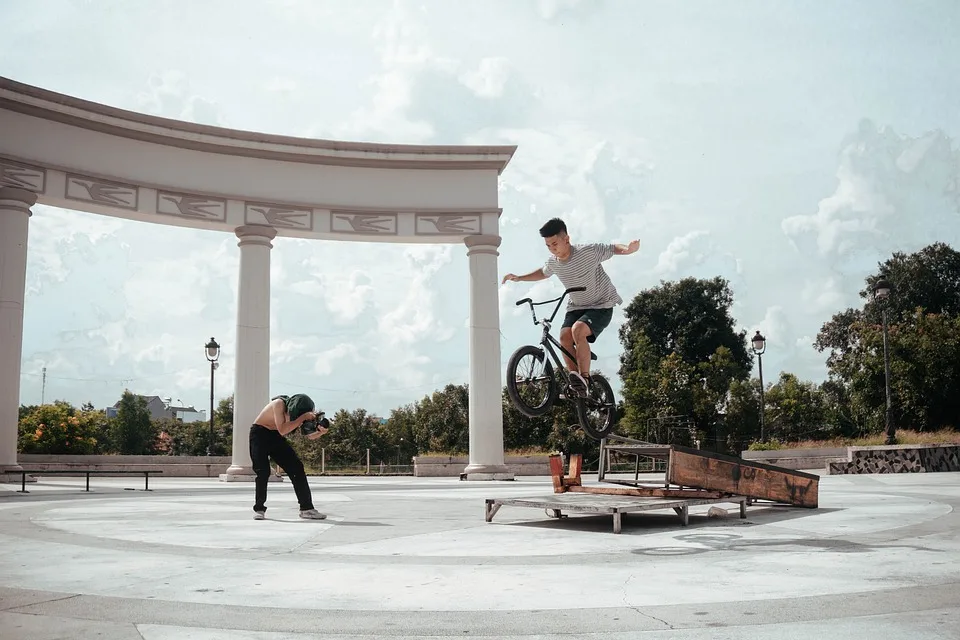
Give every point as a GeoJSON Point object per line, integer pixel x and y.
{"type": "Point", "coordinates": [531, 382]}
{"type": "Point", "coordinates": [597, 412]}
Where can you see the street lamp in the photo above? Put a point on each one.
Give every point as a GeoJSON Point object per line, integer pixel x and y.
{"type": "Point", "coordinates": [213, 354]}
{"type": "Point", "coordinates": [759, 346]}
{"type": "Point", "coordinates": [881, 292]}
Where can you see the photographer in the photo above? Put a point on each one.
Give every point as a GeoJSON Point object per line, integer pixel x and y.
{"type": "Point", "coordinates": [282, 415]}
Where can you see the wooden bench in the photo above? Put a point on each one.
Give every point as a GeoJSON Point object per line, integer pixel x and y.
{"type": "Point", "coordinates": [86, 472]}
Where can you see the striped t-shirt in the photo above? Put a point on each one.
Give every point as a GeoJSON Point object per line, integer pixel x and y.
{"type": "Point", "coordinates": [583, 269]}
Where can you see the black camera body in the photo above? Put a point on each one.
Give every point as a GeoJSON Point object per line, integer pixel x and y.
{"type": "Point", "coordinates": [309, 427]}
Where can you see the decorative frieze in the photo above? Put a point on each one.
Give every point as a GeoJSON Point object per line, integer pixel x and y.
{"type": "Point", "coordinates": [278, 216]}
{"type": "Point", "coordinates": [184, 205]}
{"type": "Point", "coordinates": [22, 176]}
{"type": "Point", "coordinates": [107, 192]}
{"type": "Point", "coordinates": [446, 224]}
{"type": "Point", "coordinates": [370, 224]}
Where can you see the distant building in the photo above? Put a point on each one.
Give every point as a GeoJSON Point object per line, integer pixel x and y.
{"type": "Point", "coordinates": [160, 408]}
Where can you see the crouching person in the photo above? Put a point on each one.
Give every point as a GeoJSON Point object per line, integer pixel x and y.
{"type": "Point", "coordinates": [282, 415]}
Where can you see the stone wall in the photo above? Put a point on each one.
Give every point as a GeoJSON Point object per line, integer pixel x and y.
{"type": "Point", "coordinates": [453, 466]}
{"type": "Point", "coordinates": [798, 459]}
{"type": "Point", "coordinates": [172, 466]}
{"type": "Point", "coordinates": [898, 459]}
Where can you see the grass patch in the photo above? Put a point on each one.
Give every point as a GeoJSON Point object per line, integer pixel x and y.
{"type": "Point", "coordinates": [904, 436]}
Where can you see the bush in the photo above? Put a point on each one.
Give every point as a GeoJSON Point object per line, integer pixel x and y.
{"type": "Point", "coordinates": [59, 428]}
{"type": "Point", "coordinates": [770, 445]}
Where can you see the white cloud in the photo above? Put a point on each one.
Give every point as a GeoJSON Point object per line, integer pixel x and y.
{"type": "Point", "coordinates": [886, 181]}
{"type": "Point", "coordinates": [489, 79]}
{"type": "Point", "coordinates": [682, 252]}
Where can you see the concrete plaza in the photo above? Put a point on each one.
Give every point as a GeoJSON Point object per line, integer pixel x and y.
{"type": "Point", "coordinates": [412, 557]}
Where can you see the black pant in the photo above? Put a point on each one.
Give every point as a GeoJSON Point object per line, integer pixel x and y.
{"type": "Point", "coordinates": [268, 443]}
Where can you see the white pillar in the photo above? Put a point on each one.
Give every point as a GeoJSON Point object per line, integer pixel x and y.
{"type": "Point", "coordinates": [486, 409]}
{"type": "Point", "coordinates": [14, 221]}
{"type": "Point", "coordinates": [252, 380]}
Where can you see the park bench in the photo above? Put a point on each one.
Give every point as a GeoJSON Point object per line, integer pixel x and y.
{"type": "Point", "coordinates": [86, 472]}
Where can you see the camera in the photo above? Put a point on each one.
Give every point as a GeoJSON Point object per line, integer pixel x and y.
{"type": "Point", "coordinates": [309, 427]}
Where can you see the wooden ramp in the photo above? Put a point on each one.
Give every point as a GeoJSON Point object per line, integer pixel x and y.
{"type": "Point", "coordinates": [693, 469]}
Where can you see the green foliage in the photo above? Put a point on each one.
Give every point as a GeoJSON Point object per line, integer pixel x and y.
{"type": "Point", "coordinates": [681, 355]}
{"type": "Point", "coordinates": [795, 410]}
{"type": "Point", "coordinates": [132, 431]}
{"type": "Point", "coordinates": [769, 445]}
{"type": "Point", "coordinates": [58, 428]}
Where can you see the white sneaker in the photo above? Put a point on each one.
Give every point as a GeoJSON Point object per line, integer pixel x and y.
{"type": "Point", "coordinates": [259, 515]}
{"type": "Point", "coordinates": [312, 514]}
{"type": "Point", "coordinates": [578, 383]}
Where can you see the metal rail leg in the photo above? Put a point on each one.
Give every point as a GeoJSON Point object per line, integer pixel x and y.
{"type": "Point", "coordinates": [489, 510]}
{"type": "Point", "coordinates": [88, 481]}
{"type": "Point", "coordinates": [743, 509]}
{"type": "Point", "coordinates": [616, 521]}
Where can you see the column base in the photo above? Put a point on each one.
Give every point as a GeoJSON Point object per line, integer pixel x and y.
{"type": "Point", "coordinates": [486, 472]}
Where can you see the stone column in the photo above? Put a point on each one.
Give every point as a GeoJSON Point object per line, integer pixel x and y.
{"type": "Point", "coordinates": [252, 381]}
{"type": "Point", "coordinates": [486, 413]}
{"type": "Point", "coordinates": [14, 221]}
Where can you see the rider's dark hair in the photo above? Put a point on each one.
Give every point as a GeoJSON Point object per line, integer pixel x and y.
{"type": "Point", "coordinates": [553, 227]}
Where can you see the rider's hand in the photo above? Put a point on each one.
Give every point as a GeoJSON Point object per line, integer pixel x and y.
{"type": "Point", "coordinates": [316, 434]}
{"type": "Point", "coordinates": [511, 277]}
{"type": "Point", "coordinates": [633, 247]}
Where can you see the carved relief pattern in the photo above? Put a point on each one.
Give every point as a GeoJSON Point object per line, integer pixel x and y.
{"type": "Point", "coordinates": [447, 224]}
{"type": "Point", "coordinates": [364, 223]}
{"type": "Point", "coordinates": [189, 206]}
{"type": "Point", "coordinates": [100, 191]}
{"type": "Point", "coordinates": [278, 216]}
{"type": "Point", "coordinates": [13, 174]}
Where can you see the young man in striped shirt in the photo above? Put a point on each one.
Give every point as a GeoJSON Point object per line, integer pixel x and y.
{"type": "Point", "coordinates": [589, 311]}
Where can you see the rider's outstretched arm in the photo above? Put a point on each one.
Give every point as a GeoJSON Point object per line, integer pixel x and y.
{"type": "Point", "coordinates": [533, 276]}
{"type": "Point", "coordinates": [626, 249]}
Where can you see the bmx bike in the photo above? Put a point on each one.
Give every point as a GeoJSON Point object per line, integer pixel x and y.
{"type": "Point", "coordinates": [535, 388]}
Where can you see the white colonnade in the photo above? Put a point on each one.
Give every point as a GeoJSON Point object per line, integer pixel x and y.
{"type": "Point", "coordinates": [61, 151]}
{"type": "Point", "coordinates": [14, 223]}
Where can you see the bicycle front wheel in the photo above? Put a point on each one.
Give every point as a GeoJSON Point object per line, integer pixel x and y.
{"type": "Point", "coordinates": [597, 412]}
{"type": "Point", "coordinates": [531, 382]}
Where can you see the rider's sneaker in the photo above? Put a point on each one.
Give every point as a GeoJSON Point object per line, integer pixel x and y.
{"type": "Point", "coordinates": [578, 384]}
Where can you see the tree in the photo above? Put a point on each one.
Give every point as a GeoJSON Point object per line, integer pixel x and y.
{"type": "Point", "coordinates": [681, 354]}
{"type": "Point", "coordinates": [57, 428]}
{"type": "Point", "coordinates": [132, 432]}
{"type": "Point", "coordinates": [922, 313]}
{"type": "Point", "coordinates": [795, 410]}
{"type": "Point", "coordinates": [690, 317]}
{"type": "Point", "coordinates": [928, 279]}
{"type": "Point", "coordinates": [442, 420]}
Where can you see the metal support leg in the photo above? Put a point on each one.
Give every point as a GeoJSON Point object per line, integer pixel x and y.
{"type": "Point", "coordinates": [616, 521]}
{"type": "Point", "coordinates": [743, 509]}
{"type": "Point", "coordinates": [490, 509]}
{"type": "Point", "coordinates": [23, 482]}
{"type": "Point", "coordinates": [88, 481]}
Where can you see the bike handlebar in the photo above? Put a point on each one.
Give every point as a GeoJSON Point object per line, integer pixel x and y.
{"type": "Point", "coordinates": [557, 300]}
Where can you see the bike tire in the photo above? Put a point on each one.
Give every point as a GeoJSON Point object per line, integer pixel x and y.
{"type": "Point", "coordinates": [522, 406]}
{"type": "Point", "coordinates": [606, 428]}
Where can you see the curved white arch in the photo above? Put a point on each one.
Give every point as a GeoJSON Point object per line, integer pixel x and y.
{"type": "Point", "coordinates": [71, 153]}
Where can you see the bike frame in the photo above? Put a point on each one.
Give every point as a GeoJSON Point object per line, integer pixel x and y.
{"type": "Point", "coordinates": [546, 338]}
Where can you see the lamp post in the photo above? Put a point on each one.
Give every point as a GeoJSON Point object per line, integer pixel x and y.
{"type": "Point", "coordinates": [881, 292]}
{"type": "Point", "coordinates": [213, 354]}
{"type": "Point", "coordinates": [759, 346]}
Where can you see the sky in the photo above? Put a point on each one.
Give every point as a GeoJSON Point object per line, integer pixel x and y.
{"type": "Point", "coordinates": [787, 146]}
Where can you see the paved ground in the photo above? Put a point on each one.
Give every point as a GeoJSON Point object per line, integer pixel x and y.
{"type": "Point", "coordinates": [413, 557]}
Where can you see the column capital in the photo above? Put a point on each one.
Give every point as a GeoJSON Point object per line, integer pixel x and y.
{"type": "Point", "coordinates": [18, 199]}
{"type": "Point", "coordinates": [482, 243]}
{"type": "Point", "coordinates": [255, 234]}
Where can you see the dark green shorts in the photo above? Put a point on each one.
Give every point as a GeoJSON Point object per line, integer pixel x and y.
{"type": "Point", "coordinates": [596, 319]}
